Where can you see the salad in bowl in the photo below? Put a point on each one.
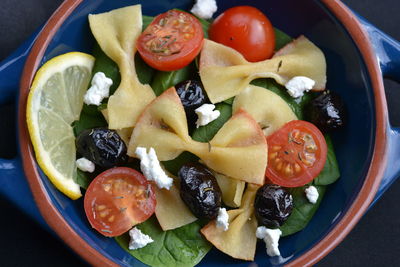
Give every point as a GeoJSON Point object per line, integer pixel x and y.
{"type": "Point", "coordinates": [180, 133]}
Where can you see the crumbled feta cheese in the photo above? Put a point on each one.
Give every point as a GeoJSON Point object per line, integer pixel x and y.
{"type": "Point", "coordinates": [222, 219]}
{"type": "Point", "coordinates": [138, 239]}
{"type": "Point", "coordinates": [85, 165]}
{"type": "Point", "coordinates": [298, 85]}
{"type": "Point", "coordinates": [271, 239]}
{"type": "Point", "coordinates": [204, 9]}
{"type": "Point", "coordinates": [206, 114]}
{"type": "Point", "coordinates": [99, 90]}
{"type": "Point", "coordinates": [312, 194]}
{"type": "Point", "coordinates": [151, 168]}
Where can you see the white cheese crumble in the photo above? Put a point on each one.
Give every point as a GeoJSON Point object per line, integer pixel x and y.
{"type": "Point", "coordinates": [85, 165]}
{"type": "Point", "coordinates": [204, 9]}
{"type": "Point", "coordinates": [298, 85]}
{"type": "Point", "coordinates": [206, 114]}
{"type": "Point", "coordinates": [312, 194]}
{"type": "Point", "coordinates": [222, 219]}
{"type": "Point", "coordinates": [151, 168]}
{"type": "Point", "coordinates": [138, 239]}
{"type": "Point", "coordinates": [271, 239]}
{"type": "Point", "coordinates": [99, 90]}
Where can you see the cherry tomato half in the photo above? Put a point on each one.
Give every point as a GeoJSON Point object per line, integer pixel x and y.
{"type": "Point", "coordinates": [171, 41]}
{"type": "Point", "coordinates": [118, 199]}
{"type": "Point", "coordinates": [296, 154]}
{"type": "Point", "coordinates": [245, 29]}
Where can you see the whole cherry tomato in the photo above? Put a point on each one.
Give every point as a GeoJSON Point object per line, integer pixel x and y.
{"type": "Point", "coordinates": [245, 29]}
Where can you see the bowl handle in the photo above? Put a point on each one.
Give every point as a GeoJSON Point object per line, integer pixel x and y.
{"type": "Point", "coordinates": [387, 52]}
{"type": "Point", "coordinates": [13, 184]}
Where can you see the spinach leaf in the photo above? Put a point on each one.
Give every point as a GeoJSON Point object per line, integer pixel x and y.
{"type": "Point", "coordinates": [83, 179]}
{"type": "Point", "coordinates": [88, 121]}
{"type": "Point", "coordinates": [146, 21]}
{"type": "Point", "coordinates": [163, 80]}
{"type": "Point", "coordinates": [184, 246]}
{"type": "Point", "coordinates": [205, 24]}
{"type": "Point", "coordinates": [303, 210]}
{"type": "Point", "coordinates": [144, 72]}
{"type": "Point", "coordinates": [281, 39]}
{"type": "Point", "coordinates": [330, 173]}
{"type": "Point", "coordinates": [175, 164]}
{"type": "Point", "coordinates": [206, 133]}
{"type": "Point", "coordinates": [229, 101]}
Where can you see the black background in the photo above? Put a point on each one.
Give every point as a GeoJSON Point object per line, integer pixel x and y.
{"type": "Point", "coordinates": [375, 241]}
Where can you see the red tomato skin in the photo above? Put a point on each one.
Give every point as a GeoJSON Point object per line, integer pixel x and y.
{"type": "Point", "coordinates": [307, 174]}
{"type": "Point", "coordinates": [120, 205]}
{"type": "Point", "coordinates": [176, 61]}
{"type": "Point", "coordinates": [245, 29]}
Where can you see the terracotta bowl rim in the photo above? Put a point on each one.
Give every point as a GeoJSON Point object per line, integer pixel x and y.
{"type": "Point", "coordinates": [365, 196]}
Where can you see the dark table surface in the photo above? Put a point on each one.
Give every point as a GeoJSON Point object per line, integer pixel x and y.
{"type": "Point", "coordinates": [375, 241]}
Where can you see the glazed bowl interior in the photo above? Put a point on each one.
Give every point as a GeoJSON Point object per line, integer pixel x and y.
{"type": "Point", "coordinates": [346, 74]}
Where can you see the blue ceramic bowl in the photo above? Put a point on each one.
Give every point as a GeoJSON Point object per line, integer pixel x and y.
{"type": "Point", "coordinates": [364, 148]}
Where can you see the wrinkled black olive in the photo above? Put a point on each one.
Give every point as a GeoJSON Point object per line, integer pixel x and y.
{"type": "Point", "coordinates": [192, 96]}
{"type": "Point", "coordinates": [199, 190]}
{"type": "Point", "coordinates": [102, 146]}
{"type": "Point", "coordinates": [273, 205]}
{"type": "Point", "coordinates": [327, 111]}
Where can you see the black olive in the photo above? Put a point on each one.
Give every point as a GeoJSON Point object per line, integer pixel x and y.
{"type": "Point", "coordinates": [273, 205]}
{"type": "Point", "coordinates": [102, 146]}
{"type": "Point", "coordinates": [326, 111]}
{"type": "Point", "coordinates": [192, 96]}
{"type": "Point", "coordinates": [199, 190]}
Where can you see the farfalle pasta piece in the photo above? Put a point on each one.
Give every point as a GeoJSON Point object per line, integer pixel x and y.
{"type": "Point", "coordinates": [240, 240]}
{"type": "Point", "coordinates": [268, 109]}
{"type": "Point", "coordinates": [116, 32]}
{"type": "Point", "coordinates": [238, 150]}
{"type": "Point", "coordinates": [232, 190]}
{"type": "Point", "coordinates": [171, 211]}
{"type": "Point", "coordinates": [225, 73]}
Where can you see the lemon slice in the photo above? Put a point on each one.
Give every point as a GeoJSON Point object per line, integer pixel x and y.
{"type": "Point", "coordinates": [54, 102]}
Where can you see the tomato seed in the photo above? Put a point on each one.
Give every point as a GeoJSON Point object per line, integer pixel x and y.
{"type": "Point", "coordinates": [273, 155]}
{"type": "Point", "coordinates": [100, 207]}
{"type": "Point", "coordinates": [279, 166]}
{"type": "Point", "coordinates": [107, 187]}
{"type": "Point", "coordinates": [188, 36]}
{"type": "Point", "coordinates": [276, 148]}
{"type": "Point", "coordinates": [139, 192]}
{"type": "Point", "coordinates": [104, 213]}
{"type": "Point", "coordinates": [289, 170]}
{"type": "Point", "coordinates": [297, 168]}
